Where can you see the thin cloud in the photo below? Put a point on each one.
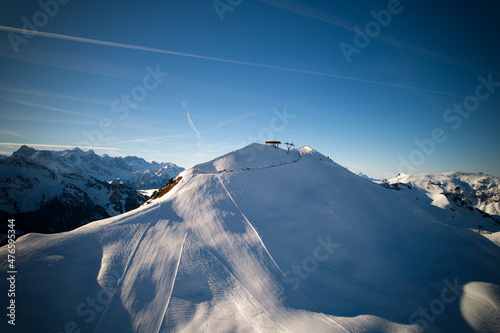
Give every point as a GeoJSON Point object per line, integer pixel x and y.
{"type": "Point", "coordinates": [246, 115]}
{"type": "Point", "coordinates": [253, 113]}
{"type": "Point", "coordinates": [190, 122]}
{"type": "Point", "coordinates": [4, 132]}
{"type": "Point", "coordinates": [35, 105]}
{"type": "Point", "coordinates": [190, 55]}
{"type": "Point", "coordinates": [51, 120]}
{"type": "Point", "coordinates": [53, 95]}
{"type": "Point", "coordinates": [72, 61]}
{"type": "Point", "coordinates": [305, 10]}
{"type": "Point", "coordinates": [94, 101]}
{"type": "Point", "coordinates": [157, 139]}
{"type": "Point", "coordinates": [249, 114]}
{"type": "Point", "coordinates": [12, 144]}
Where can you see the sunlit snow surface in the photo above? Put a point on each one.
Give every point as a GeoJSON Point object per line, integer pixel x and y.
{"type": "Point", "coordinates": [480, 190]}
{"type": "Point", "coordinates": [259, 240]}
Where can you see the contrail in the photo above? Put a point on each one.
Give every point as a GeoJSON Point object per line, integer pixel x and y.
{"type": "Point", "coordinates": [3, 132]}
{"type": "Point", "coordinates": [197, 56]}
{"type": "Point", "coordinates": [153, 139]}
{"type": "Point", "coordinates": [313, 13]}
{"type": "Point", "coordinates": [184, 106]}
{"type": "Point", "coordinates": [308, 11]}
{"type": "Point", "coordinates": [35, 105]}
{"type": "Point", "coordinates": [52, 95]}
{"type": "Point", "coordinates": [192, 126]}
{"type": "Point", "coordinates": [253, 113]}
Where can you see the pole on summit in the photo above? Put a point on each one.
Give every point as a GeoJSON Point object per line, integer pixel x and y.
{"type": "Point", "coordinates": [289, 145]}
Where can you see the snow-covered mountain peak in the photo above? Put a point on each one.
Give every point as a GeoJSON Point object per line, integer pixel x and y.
{"type": "Point", "coordinates": [263, 240]}
{"type": "Point", "coordinates": [306, 150]}
{"type": "Point", "coordinates": [25, 151]}
{"type": "Point", "coordinates": [402, 176]}
{"type": "Point", "coordinates": [255, 156]}
{"type": "Point", "coordinates": [249, 157]}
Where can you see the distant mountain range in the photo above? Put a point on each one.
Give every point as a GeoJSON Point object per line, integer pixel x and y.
{"type": "Point", "coordinates": [367, 177]}
{"type": "Point", "coordinates": [53, 191]}
{"type": "Point", "coordinates": [456, 192]}
{"type": "Point", "coordinates": [131, 170]}
{"type": "Point", "coordinates": [452, 191]}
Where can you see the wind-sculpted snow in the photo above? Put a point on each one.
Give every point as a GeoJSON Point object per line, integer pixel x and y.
{"type": "Point", "coordinates": [259, 240]}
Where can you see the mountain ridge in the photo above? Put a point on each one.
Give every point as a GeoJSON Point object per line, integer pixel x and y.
{"type": "Point", "coordinates": [457, 190]}
{"type": "Point", "coordinates": [55, 191]}
{"type": "Point", "coordinates": [259, 239]}
{"type": "Point", "coordinates": [45, 200]}
{"type": "Point", "coordinates": [130, 170]}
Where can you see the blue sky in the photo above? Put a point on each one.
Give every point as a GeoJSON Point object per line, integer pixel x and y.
{"type": "Point", "coordinates": [187, 81]}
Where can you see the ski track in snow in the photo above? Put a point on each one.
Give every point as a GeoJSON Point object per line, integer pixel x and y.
{"type": "Point", "coordinates": [127, 267]}
{"type": "Point", "coordinates": [251, 226]}
{"type": "Point", "coordinates": [263, 167]}
{"type": "Point", "coordinates": [132, 280]}
{"type": "Point", "coordinates": [173, 284]}
{"type": "Point", "coordinates": [336, 323]}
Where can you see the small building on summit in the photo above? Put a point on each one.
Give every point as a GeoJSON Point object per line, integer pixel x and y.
{"type": "Point", "coordinates": [275, 144]}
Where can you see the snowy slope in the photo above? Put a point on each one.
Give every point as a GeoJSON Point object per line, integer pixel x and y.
{"type": "Point", "coordinates": [494, 237]}
{"type": "Point", "coordinates": [259, 240]}
{"type": "Point", "coordinates": [459, 193]}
